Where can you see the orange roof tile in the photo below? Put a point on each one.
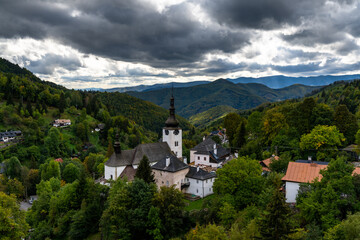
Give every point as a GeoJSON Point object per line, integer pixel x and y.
{"type": "Point", "coordinates": [268, 160]}
{"type": "Point", "coordinates": [306, 172]}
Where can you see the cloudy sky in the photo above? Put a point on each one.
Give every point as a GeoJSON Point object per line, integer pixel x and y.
{"type": "Point", "coordinates": [117, 43]}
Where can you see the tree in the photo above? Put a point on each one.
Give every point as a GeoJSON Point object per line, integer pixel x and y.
{"type": "Point", "coordinates": [254, 124]}
{"type": "Point", "coordinates": [170, 202]}
{"type": "Point", "coordinates": [241, 179]}
{"type": "Point", "coordinates": [348, 229]}
{"type": "Point", "coordinates": [275, 223]}
{"type": "Point", "coordinates": [12, 219]}
{"type": "Point", "coordinates": [330, 200]}
{"type": "Point", "coordinates": [322, 137]}
{"type": "Point", "coordinates": [81, 131]}
{"type": "Point", "coordinates": [154, 224]}
{"type": "Point", "coordinates": [50, 169]}
{"type": "Point", "coordinates": [208, 232]}
{"type": "Point", "coordinates": [273, 123]}
{"type": "Point", "coordinates": [240, 136]}
{"type": "Point", "coordinates": [53, 142]}
{"type": "Point", "coordinates": [128, 209]}
{"type": "Point", "coordinates": [231, 122]}
{"type": "Point", "coordinates": [346, 122]}
{"type": "Point", "coordinates": [71, 173]}
{"type": "Point", "coordinates": [144, 171]}
{"type": "Point", "coordinates": [13, 168]}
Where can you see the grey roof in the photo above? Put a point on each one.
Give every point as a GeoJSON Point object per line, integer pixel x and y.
{"type": "Point", "coordinates": [201, 174]}
{"type": "Point", "coordinates": [123, 158]}
{"type": "Point", "coordinates": [174, 166]}
{"type": "Point", "coordinates": [154, 152]}
{"type": "Point", "coordinates": [10, 133]}
{"type": "Point", "coordinates": [207, 147]}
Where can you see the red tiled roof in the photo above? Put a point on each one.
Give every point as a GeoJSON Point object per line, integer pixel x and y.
{"type": "Point", "coordinates": [268, 160]}
{"type": "Point", "coordinates": [305, 172]}
{"type": "Point", "coordinates": [59, 160]}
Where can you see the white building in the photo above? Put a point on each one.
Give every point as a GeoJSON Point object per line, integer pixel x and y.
{"type": "Point", "coordinates": [300, 172]}
{"type": "Point", "coordinates": [62, 123]}
{"type": "Point", "coordinates": [209, 153]}
{"type": "Point", "coordinates": [201, 182]}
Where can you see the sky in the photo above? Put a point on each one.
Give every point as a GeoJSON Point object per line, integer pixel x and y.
{"type": "Point", "coordinates": [118, 43]}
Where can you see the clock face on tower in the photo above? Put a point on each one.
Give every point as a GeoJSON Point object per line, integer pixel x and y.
{"type": "Point", "coordinates": [176, 132]}
{"type": "Point", "coordinates": [167, 132]}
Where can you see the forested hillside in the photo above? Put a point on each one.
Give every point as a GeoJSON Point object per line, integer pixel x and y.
{"type": "Point", "coordinates": [200, 98]}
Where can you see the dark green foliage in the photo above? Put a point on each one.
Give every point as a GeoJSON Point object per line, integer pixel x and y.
{"type": "Point", "coordinates": [231, 123]}
{"type": "Point", "coordinates": [346, 122]}
{"type": "Point", "coordinates": [170, 202]}
{"type": "Point", "coordinates": [144, 171]}
{"type": "Point", "coordinates": [241, 180]}
{"type": "Point", "coordinates": [275, 222]}
{"type": "Point", "coordinates": [70, 173]}
{"type": "Point", "coordinates": [331, 199]}
{"type": "Point", "coordinates": [240, 136]}
{"type": "Point", "coordinates": [13, 168]}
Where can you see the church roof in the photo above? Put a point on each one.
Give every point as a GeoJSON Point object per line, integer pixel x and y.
{"type": "Point", "coordinates": [124, 158]}
{"type": "Point", "coordinates": [174, 166]}
{"type": "Point", "coordinates": [198, 173]}
{"type": "Point", "coordinates": [129, 172]}
{"type": "Point", "coordinates": [154, 152]}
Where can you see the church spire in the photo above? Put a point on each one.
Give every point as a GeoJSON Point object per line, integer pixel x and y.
{"type": "Point", "coordinates": [171, 121]}
{"type": "Point", "coordinates": [117, 147]}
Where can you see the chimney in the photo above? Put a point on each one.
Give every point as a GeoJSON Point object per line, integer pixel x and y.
{"type": "Point", "coordinates": [204, 138]}
{"type": "Point", "coordinates": [197, 169]}
{"type": "Point", "coordinates": [185, 160]}
{"type": "Point", "coordinates": [215, 149]}
{"type": "Point", "coordinates": [167, 161]}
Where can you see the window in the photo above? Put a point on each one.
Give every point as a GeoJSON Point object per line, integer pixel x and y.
{"type": "Point", "coordinates": [197, 190]}
{"type": "Point", "coordinates": [206, 181]}
{"type": "Point", "coordinates": [167, 183]}
{"type": "Point", "coordinates": [197, 181]}
{"type": "Point", "coordinates": [204, 158]}
{"type": "Point", "coordinates": [209, 189]}
{"type": "Point", "coordinates": [176, 143]}
{"type": "Point", "coordinates": [111, 177]}
{"type": "Point", "coordinates": [198, 158]}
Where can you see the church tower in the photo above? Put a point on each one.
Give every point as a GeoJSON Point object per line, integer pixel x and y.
{"type": "Point", "coordinates": [172, 133]}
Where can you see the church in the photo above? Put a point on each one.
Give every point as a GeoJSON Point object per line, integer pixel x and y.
{"type": "Point", "coordinates": [165, 158]}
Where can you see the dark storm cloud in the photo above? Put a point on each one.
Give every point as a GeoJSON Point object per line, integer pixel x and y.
{"type": "Point", "coordinates": [47, 64]}
{"type": "Point", "coordinates": [262, 14]}
{"type": "Point", "coordinates": [121, 30]}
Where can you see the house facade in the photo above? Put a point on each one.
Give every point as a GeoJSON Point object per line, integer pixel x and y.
{"type": "Point", "coordinates": [209, 153]}
{"type": "Point", "coordinates": [62, 123]}
{"type": "Point", "coordinates": [200, 182]}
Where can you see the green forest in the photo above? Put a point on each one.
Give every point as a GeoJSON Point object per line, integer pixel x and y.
{"type": "Point", "coordinates": [61, 166]}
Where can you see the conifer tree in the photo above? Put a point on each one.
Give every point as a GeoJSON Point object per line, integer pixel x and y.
{"type": "Point", "coordinates": [144, 171]}
{"type": "Point", "coordinates": [275, 222]}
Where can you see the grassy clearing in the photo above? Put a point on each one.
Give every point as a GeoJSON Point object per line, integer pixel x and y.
{"type": "Point", "coordinates": [196, 205]}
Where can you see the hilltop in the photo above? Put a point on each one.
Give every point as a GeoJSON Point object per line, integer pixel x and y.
{"type": "Point", "coordinates": [197, 99]}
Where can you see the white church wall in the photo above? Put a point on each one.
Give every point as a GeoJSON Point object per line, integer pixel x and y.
{"type": "Point", "coordinates": [113, 172]}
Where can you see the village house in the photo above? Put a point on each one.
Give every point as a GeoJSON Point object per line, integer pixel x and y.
{"type": "Point", "coordinates": [170, 171]}
{"type": "Point", "coordinates": [302, 171]}
{"type": "Point", "coordinates": [200, 182]}
{"type": "Point", "coordinates": [209, 153]}
{"type": "Point", "coordinates": [221, 134]}
{"type": "Point", "coordinates": [9, 136]}
{"type": "Point", "coordinates": [265, 164]}
{"type": "Point", "coordinates": [62, 123]}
